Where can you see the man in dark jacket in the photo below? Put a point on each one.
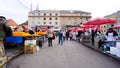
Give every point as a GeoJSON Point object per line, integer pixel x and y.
{"type": "Point", "coordinates": [5, 30]}
{"type": "Point", "coordinates": [79, 35]}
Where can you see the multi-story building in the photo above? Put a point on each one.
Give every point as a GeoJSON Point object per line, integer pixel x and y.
{"type": "Point", "coordinates": [57, 18]}
{"type": "Point", "coordinates": [114, 16]}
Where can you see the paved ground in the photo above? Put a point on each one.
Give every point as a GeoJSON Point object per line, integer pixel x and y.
{"type": "Point", "coordinates": [69, 55]}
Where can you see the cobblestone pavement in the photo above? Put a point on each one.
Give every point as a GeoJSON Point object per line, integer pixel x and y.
{"type": "Point", "coordinates": [70, 55]}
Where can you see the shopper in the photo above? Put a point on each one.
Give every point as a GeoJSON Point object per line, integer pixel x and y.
{"type": "Point", "coordinates": [79, 35]}
{"type": "Point", "coordinates": [60, 37]}
{"type": "Point", "coordinates": [71, 35]}
{"type": "Point", "coordinates": [64, 35]}
{"type": "Point", "coordinates": [50, 37]}
{"type": "Point", "coordinates": [67, 35]}
{"type": "Point", "coordinates": [92, 37]}
{"type": "Point", "coordinates": [74, 35]}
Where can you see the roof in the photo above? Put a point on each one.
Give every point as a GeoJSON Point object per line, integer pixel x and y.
{"type": "Point", "coordinates": [25, 23]}
{"type": "Point", "coordinates": [11, 22]}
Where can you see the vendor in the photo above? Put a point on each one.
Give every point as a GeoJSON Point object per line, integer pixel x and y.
{"type": "Point", "coordinates": [111, 37]}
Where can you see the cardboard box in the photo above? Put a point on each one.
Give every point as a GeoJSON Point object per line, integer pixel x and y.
{"type": "Point", "coordinates": [30, 42]}
{"type": "Point", "coordinates": [29, 49]}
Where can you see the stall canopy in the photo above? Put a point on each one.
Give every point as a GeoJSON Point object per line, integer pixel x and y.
{"type": "Point", "coordinates": [74, 29]}
{"type": "Point", "coordinates": [100, 21]}
{"type": "Point", "coordinates": [84, 27]}
{"type": "Point", "coordinates": [44, 28]}
{"type": "Point", "coordinates": [117, 26]}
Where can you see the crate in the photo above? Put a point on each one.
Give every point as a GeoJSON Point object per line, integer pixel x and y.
{"type": "Point", "coordinates": [29, 49]}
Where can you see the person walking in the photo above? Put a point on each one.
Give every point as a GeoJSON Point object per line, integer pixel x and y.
{"type": "Point", "coordinates": [50, 37]}
{"type": "Point", "coordinates": [74, 35]}
{"type": "Point", "coordinates": [71, 35]}
{"type": "Point", "coordinates": [64, 35]}
{"type": "Point", "coordinates": [67, 35]}
{"type": "Point", "coordinates": [92, 37]}
{"type": "Point", "coordinates": [60, 37]}
{"type": "Point", "coordinates": [79, 35]}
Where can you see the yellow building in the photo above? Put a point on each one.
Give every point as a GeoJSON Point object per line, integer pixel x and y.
{"type": "Point", "coordinates": [57, 18]}
{"type": "Point", "coordinates": [114, 16]}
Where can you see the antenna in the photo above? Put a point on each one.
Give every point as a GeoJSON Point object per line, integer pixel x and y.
{"type": "Point", "coordinates": [37, 8]}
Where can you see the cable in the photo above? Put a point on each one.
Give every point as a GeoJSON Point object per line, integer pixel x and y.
{"type": "Point", "coordinates": [23, 5]}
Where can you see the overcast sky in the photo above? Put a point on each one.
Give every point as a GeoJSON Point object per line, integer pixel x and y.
{"type": "Point", "coordinates": [18, 9]}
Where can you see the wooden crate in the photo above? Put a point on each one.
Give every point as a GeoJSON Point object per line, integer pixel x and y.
{"type": "Point", "coordinates": [29, 49]}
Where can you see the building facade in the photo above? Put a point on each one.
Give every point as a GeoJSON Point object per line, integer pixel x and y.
{"type": "Point", "coordinates": [57, 18]}
{"type": "Point", "coordinates": [116, 16]}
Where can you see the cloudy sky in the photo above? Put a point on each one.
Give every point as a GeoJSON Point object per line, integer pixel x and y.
{"type": "Point", "coordinates": [18, 9]}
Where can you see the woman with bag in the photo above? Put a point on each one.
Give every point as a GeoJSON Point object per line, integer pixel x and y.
{"type": "Point", "coordinates": [50, 37]}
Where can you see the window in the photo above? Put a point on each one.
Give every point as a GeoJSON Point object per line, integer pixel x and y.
{"type": "Point", "coordinates": [44, 22]}
{"type": "Point", "coordinates": [118, 18]}
{"type": "Point", "coordinates": [33, 19]}
{"type": "Point", "coordinates": [44, 14]}
{"type": "Point", "coordinates": [56, 14]}
{"type": "Point", "coordinates": [86, 14]}
{"type": "Point", "coordinates": [50, 18]}
{"type": "Point", "coordinates": [38, 22]}
{"type": "Point", "coordinates": [44, 18]}
{"type": "Point", "coordinates": [50, 23]}
{"type": "Point", "coordinates": [38, 19]}
{"type": "Point", "coordinates": [104, 26]}
{"type": "Point", "coordinates": [56, 23]}
{"type": "Point", "coordinates": [104, 30]}
{"type": "Point", "coordinates": [38, 14]}
{"type": "Point", "coordinates": [50, 14]}
{"type": "Point", "coordinates": [32, 22]}
{"type": "Point", "coordinates": [86, 19]}
{"type": "Point", "coordinates": [56, 18]}
{"type": "Point", "coordinates": [56, 27]}
{"type": "Point", "coordinates": [32, 13]}
{"type": "Point", "coordinates": [75, 23]}
{"type": "Point", "coordinates": [80, 14]}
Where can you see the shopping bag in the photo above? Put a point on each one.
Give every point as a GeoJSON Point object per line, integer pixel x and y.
{"type": "Point", "coordinates": [37, 48]}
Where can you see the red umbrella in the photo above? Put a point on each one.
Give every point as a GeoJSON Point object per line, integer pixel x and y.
{"type": "Point", "coordinates": [70, 28]}
{"type": "Point", "coordinates": [76, 29]}
{"type": "Point", "coordinates": [117, 26]}
{"type": "Point", "coordinates": [100, 21]}
{"type": "Point", "coordinates": [44, 28]}
{"type": "Point", "coordinates": [87, 26]}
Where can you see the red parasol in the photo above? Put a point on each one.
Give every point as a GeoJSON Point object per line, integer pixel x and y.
{"type": "Point", "coordinates": [117, 26]}
{"type": "Point", "coordinates": [100, 21]}
{"type": "Point", "coordinates": [70, 28]}
{"type": "Point", "coordinates": [44, 28]}
{"type": "Point", "coordinates": [87, 26]}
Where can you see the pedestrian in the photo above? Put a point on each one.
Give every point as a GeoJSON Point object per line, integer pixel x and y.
{"type": "Point", "coordinates": [64, 35]}
{"type": "Point", "coordinates": [111, 37]}
{"type": "Point", "coordinates": [5, 30]}
{"type": "Point", "coordinates": [92, 37]}
{"type": "Point", "coordinates": [79, 35]}
{"type": "Point", "coordinates": [50, 37]}
{"type": "Point", "coordinates": [60, 37]}
{"type": "Point", "coordinates": [74, 35]}
{"type": "Point", "coordinates": [67, 35]}
{"type": "Point", "coordinates": [70, 35]}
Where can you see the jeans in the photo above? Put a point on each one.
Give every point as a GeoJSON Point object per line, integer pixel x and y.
{"type": "Point", "coordinates": [111, 44]}
{"type": "Point", "coordinates": [79, 38]}
{"type": "Point", "coordinates": [49, 41]}
{"type": "Point", "coordinates": [60, 40]}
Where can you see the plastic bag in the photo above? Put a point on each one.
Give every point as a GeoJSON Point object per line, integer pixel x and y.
{"type": "Point", "coordinates": [37, 48]}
